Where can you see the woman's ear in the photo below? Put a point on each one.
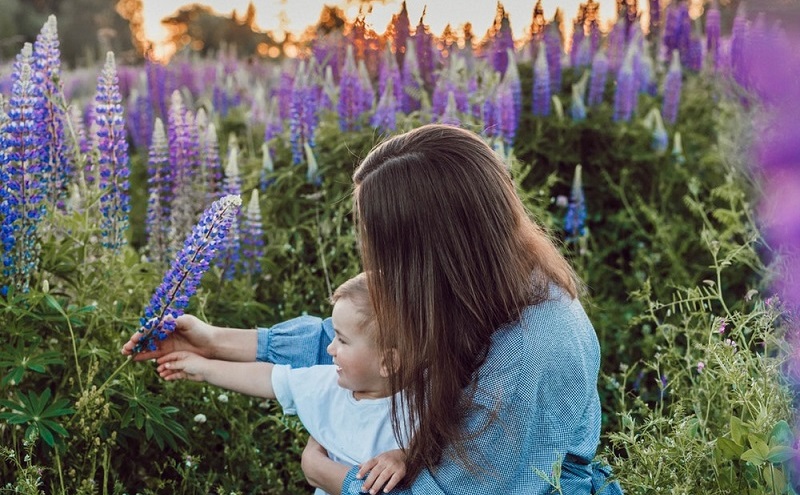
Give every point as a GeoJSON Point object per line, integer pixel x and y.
{"type": "Point", "coordinates": [390, 363]}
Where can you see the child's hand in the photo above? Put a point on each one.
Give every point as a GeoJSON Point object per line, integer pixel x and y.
{"type": "Point", "coordinates": [183, 365]}
{"type": "Point", "coordinates": [385, 470]}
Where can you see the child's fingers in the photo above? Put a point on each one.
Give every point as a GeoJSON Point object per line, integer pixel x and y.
{"type": "Point", "coordinates": [381, 480]}
{"type": "Point", "coordinates": [393, 481]}
{"type": "Point", "coordinates": [366, 467]}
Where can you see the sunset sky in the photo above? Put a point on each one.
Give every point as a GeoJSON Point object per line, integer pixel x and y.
{"type": "Point", "coordinates": [298, 14]}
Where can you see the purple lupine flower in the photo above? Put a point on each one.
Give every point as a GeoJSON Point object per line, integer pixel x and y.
{"type": "Point", "coordinates": [350, 91]}
{"type": "Point", "coordinates": [412, 82]}
{"type": "Point", "coordinates": [450, 114]}
{"type": "Point", "coordinates": [647, 80]}
{"type": "Point", "coordinates": [159, 184]}
{"type": "Point", "coordinates": [210, 166]}
{"type": "Point", "coordinates": [390, 72]}
{"type": "Point", "coordinates": [366, 97]}
{"type": "Point", "coordinates": [695, 54]}
{"type": "Point", "coordinates": [491, 126]}
{"type": "Point", "coordinates": [502, 43]}
{"type": "Point", "coordinates": [184, 148]}
{"type": "Point", "coordinates": [617, 46]}
{"type": "Point", "coordinates": [252, 230]}
{"type": "Point", "coordinates": [303, 118]}
{"type": "Point", "coordinates": [597, 84]}
{"type": "Point", "coordinates": [385, 116]}
{"type": "Point", "coordinates": [577, 108]}
{"type": "Point", "coordinates": [672, 89]}
{"type": "Point", "coordinates": [180, 282]}
{"type": "Point", "coordinates": [655, 16]}
{"type": "Point", "coordinates": [113, 157]}
{"type": "Point", "coordinates": [541, 85]}
{"type": "Point", "coordinates": [267, 168]}
{"type": "Point", "coordinates": [626, 92]}
{"type": "Point", "coordinates": [272, 120]}
{"type": "Point", "coordinates": [231, 247]}
{"type": "Point", "coordinates": [739, 33]}
{"type": "Point", "coordinates": [157, 87]}
{"type": "Point", "coordinates": [507, 116]}
{"type": "Point", "coordinates": [424, 49]}
{"type": "Point", "coordinates": [511, 77]}
{"type": "Point", "coordinates": [577, 41]}
{"type": "Point", "coordinates": [140, 119]}
{"type": "Point", "coordinates": [575, 218]}
{"type": "Point", "coordinates": [553, 48]}
{"type": "Point", "coordinates": [713, 30]}
{"type": "Point", "coordinates": [47, 64]}
{"type": "Point", "coordinates": [584, 56]}
{"type": "Point", "coordinates": [402, 30]}
{"type": "Point", "coordinates": [22, 179]}
{"type": "Point", "coordinates": [285, 92]}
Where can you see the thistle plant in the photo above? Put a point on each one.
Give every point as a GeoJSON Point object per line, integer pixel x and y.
{"type": "Point", "coordinates": [22, 180]}
{"type": "Point", "coordinates": [113, 157]}
{"type": "Point", "coordinates": [180, 282]}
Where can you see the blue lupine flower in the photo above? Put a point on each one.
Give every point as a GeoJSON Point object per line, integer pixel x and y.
{"type": "Point", "coordinates": [412, 82]}
{"type": "Point", "coordinates": [303, 117]}
{"type": "Point", "coordinates": [252, 237]}
{"type": "Point", "coordinates": [713, 30]}
{"type": "Point", "coordinates": [47, 65]}
{"type": "Point", "coordinates": [626, 92]}
{"type": "Point", "coordinates": [597, 84]}
{"type": "Point", "coordinates": [183, 277]}
{"type": "Point", "coordinates": [184, 161]}
{"type": "Point", "coordinates": [210, 166]}
{"type": "Point", "coordinates": [575, 219]}
{"type": "Point", "coordinates": [554, 49]}
{"type": "Point", "coordinates": [577, 109]}
{"type": "Point", "coordinates": [159, 182]}
{"type": "Point", "coordinates": [507, 117]}
{"type": "Point", "coordinates": [232, 186]}
{"type": "Point", "coordinates": [385, 116]}
{"type": "Point", "coordinates": [312, 174]}
{"type": "Point", "coordinates": [22, 180]}
{"type": "Point", "coordinates": [267, 168]}
{"type": "Point", "coordinates": [672, 89]}
{"type": "Point", "coordinates": [617, 45]}
{"type": "Point", "coordinates": [541, 85]}
{"type": "Point", "coordinates": [113, 157]}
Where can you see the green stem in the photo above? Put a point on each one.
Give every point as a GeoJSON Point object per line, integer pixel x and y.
{"type": "Point", "coordinates": [116, 371]}
{"type": "Point", "coordinates": [60, 472]}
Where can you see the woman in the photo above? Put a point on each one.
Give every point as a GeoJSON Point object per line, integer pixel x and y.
{"type": "Point", "coordinates": [478, 313]}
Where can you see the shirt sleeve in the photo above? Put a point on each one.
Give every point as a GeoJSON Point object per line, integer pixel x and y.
{"type": "Point", "coordinates": [299, 342]}
{"type": "Point", "coordinates": [283, 392]}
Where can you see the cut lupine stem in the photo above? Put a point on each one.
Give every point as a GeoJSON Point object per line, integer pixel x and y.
{"type": "Point", "coordinates": [180, 282]}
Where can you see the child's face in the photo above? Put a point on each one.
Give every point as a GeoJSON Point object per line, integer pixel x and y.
{"type": "Point", "coordinates": [355, 354]}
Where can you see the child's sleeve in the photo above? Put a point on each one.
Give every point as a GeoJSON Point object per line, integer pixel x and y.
{"type": "Point", "coordinates": [299, 342]}
{"type": "Point", "coordinates": [283, 392]}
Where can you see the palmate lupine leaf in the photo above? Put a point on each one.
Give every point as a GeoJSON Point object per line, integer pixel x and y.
{"type": "Point", "coordinates": [183, 277]}
{"type": "Point", "coordinates": [18, 360]}
{"type": "Point", "coordinates": [38, 413]}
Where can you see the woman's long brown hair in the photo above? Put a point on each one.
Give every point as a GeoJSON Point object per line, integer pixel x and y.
{"type": "Point", "coordinates": [451, 255]}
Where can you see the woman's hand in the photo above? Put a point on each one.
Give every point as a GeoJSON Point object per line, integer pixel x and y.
{"type": "Point", "coordinates": [191, 334]}
{"type": "Point", "coordinates": [320, 471]}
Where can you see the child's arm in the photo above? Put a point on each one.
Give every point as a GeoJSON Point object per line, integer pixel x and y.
{"type": "Point", "coordinates": [385, 470]}
{"type": "Point", "coordinates": [254, 379]}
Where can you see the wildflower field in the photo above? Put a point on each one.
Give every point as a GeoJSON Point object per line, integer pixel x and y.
{"type": "Point", "coordinates": [662, 157]}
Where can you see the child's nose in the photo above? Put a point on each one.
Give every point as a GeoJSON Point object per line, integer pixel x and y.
{"type": "Point", "coordinates": [330, 349]}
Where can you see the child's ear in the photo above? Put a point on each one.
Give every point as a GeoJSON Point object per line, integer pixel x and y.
{"type": "Point", "coordinates": [389, 363]}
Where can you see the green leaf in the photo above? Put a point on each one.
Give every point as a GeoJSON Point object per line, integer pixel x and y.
{"type": "Point", "coordinates": [759, 445]}
{"type": "Point", "coordinates": [780, 454]}
{"type": "Point", "coordinates": [781, 434]}
{"type": "Point", "coordinates": [729, 449]}
{"type": "Point", "coordinates": [51, 301]}
{"type": "Point", "coordinates": [775, 480]}
{"type": "Point", "coordinates": [739, 430]}
{"type": "Point", "coordinates": [753, 457]}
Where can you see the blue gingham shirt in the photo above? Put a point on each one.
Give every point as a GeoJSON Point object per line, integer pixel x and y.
{"type": "Point", "coordinates": [540, 377]}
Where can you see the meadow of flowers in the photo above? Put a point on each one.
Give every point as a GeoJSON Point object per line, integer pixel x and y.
{"type": "Point", "coordinates": [659, 156]}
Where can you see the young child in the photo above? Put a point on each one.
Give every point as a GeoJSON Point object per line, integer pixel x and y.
{"type": "Point", "coordinates": [344, 406]}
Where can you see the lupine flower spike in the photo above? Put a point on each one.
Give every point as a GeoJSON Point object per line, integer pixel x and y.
{"type": "Point", "coordinates": [183, 277]}
{"type": "Point", "coordinates": [232, 186]}
{"type": "Point", "coordinates": [113, 156]}
{"type": "Point", "coordinates": [312, 174]}
{"type": "Point", "coordinates": [267, 168]}
{"type": "Point", "coordinates": [672, 89]}
{"type": "Point", "coordinates": [22, 181]}
{"type": "Point", "coordinates": [541, 84]}
{"type": "Point", "coordinates": [252, 237]}
{"type": "Point", "coordinates": [575, 219]}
